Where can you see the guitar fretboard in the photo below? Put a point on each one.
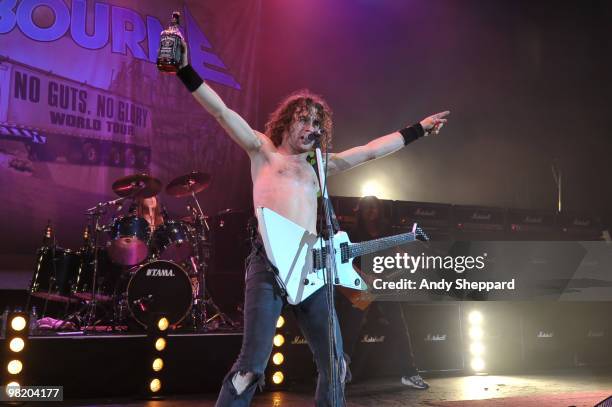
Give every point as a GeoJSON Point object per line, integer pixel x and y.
{"type": "Point", "coordinates": [372, 246]}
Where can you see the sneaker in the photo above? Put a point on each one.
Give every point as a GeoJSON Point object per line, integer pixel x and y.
{"type": "Point", "coordinates": [416, 382]}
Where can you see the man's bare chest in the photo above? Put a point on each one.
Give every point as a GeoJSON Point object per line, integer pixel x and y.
{"type": "Point", "coordinates": [290, 170]}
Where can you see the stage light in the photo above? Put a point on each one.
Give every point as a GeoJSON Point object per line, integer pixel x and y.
{"type": "Point", "coordinates": [371, 188]}
{"type": "Point", "coordinates": [157, 341]}
{"type": "Point", "coordinates": [475, 318]}
{"type": "Point", "coordinates": [279, 340]}
{"type": "Point", "coordinates": [278, 377]}
{"type": "Point", "coordinates": [476, 333]}
{"type": "Point", "coordinates": [280, 322]}
{"type": "Point", "coordinates": [278, 358]}
{"type": "Point", "coordinates": [14, 366]}
{"type": "Point", "coordinates": [13, 384]}
{"type": "Point", "coordinates": [163, 324]}
{"type": "Point", "coordinates": [477, 364]}
{"type": "Point", "coordinates": [18, 323]}
{"type": "Point", "coordinates": [16, 345]}
{"type": "Point", "coordinates": [155, 385]}
{"type": "Point", "coordinates": [158, 364]}
{"type": "Point", "coordinates": [160, 344]}
{"type": "Point", "coordinates": [16, 335]}
{"type": "Point", "coordinates": [477, 349]}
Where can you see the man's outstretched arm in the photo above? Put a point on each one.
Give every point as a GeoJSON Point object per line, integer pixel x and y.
{"type": "Point", "coordinates": [385, 145]}
{"type": "Point", "coordinates": [238, 129]}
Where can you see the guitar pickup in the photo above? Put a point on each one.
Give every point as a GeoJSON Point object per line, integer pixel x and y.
{"type": "Point", "coordinates": [319, 257]}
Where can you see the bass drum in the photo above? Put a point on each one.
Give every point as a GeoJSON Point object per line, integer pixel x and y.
{"type": "Point", "coordinates": [159, 287]}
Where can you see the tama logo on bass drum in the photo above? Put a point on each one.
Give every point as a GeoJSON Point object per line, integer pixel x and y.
{"type": "Point", "coordinates": [160, 273]}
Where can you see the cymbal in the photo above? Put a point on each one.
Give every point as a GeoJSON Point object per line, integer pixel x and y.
{"type": "Point", "coordinates": [137, 185]}
{"type": "Point", "coordinates": [184, 185]}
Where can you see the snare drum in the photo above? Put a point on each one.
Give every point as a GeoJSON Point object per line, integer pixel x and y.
{"type": "Point", "coordinates": [159, 287]}
{"type": "Point", "coordinates": [55, 272]}
{"type": "Point", "coordinates": [172, 241]}
{"type": "Point", "coordinates": [129, 240]}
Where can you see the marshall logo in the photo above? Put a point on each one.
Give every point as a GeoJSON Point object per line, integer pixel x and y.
{"type": "Point", "coordinates": [424, 212]}
{"type": "Point", "coordinates": [299, 340]}
{"type": "Point", "coordinates": [373, 339]}
{"type": "Point", "coordinates": [533, 220]}
{"type": "Point", "coordinates": [481, 216]}
{"type": "Point", "coordinates": [581, 222]}
{"type": "Point", "coordinates": [542, 334]}
{"type": "Point", "coordinates": [595, 334]}
{"type": "Point", "coordinates": [435, 338]}
{"type": "Point", "coordinates": [160, 273]}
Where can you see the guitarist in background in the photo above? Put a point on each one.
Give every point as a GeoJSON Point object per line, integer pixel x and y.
{"type": "Point", "coordinates": [371, 224]}
{"type": "Point", "coordinates": [286, 183]}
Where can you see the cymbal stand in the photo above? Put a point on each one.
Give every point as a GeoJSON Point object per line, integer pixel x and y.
{"type": "Point", "coordinates": [200, 214]}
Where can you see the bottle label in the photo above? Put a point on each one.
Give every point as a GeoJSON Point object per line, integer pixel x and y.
{"type": "Point", "coordinates": [166, 49]}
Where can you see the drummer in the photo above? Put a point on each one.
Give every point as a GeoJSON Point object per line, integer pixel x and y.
{"type": "Point", "coordinates": [150, 209]}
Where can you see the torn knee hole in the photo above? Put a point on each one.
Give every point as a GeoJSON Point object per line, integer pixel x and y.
{"type": "Point", "coordinates": [243, 380]}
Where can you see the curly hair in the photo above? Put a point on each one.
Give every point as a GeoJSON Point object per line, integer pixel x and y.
{"type": "Point", "coordinates": [302, 100]}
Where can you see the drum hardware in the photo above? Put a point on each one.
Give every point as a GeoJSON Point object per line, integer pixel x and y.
{"type": "Point", "coordinates": [141, 270]}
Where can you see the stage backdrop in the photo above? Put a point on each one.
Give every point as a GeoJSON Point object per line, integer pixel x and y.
{"type": "Point", "coordinates": [82, 104]}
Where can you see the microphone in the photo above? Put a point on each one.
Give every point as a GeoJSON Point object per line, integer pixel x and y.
{"type": "Point", "coordinates": [314, 136]}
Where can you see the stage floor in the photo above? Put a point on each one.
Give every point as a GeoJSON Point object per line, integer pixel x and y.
{"type": "Point", "coordinates": [563, 389]}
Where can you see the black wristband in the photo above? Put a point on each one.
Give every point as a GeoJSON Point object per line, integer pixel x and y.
{"type": "Point", "coordinates": [412, 133]}
{"type": "Point", "coordinates": [189, 77]}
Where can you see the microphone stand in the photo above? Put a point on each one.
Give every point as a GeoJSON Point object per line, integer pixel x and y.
{"type": "Point", "coordinates": [557, 176]}
{"type": "Point", "coordinates": [330, 276]}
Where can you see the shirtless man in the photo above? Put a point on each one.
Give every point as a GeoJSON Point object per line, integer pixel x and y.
{"type": "Point", "coordinates": [285, 182]}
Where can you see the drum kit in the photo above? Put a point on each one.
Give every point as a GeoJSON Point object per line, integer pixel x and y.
{"type": "Point", "coordinates": [132, 267]}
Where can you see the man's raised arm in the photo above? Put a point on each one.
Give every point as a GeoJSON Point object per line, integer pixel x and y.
{"type": "Point", "coordinates": [386, 145]}
{"type": "Point", "coordinates": [238, 129]}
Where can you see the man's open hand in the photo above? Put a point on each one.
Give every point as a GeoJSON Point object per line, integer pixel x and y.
{"type": "Point", "coordinates": [434, 123]}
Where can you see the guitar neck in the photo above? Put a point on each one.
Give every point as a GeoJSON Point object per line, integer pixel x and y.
{"type": "Point", "coordinates": [373, 246]}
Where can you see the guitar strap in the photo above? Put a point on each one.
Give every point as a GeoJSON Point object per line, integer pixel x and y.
{"type": "Point", "coordinates": [260, 251]}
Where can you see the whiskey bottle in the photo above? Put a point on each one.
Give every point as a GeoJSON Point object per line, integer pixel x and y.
{"type": "Point", "coordinates": [170, 47]}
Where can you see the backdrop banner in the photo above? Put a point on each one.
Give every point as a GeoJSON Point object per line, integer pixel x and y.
{"type": "Point", "coordinates": [82, 104]}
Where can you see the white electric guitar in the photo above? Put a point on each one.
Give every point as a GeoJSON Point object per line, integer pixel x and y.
{"type": "Point", "coordinates": [300, 259]}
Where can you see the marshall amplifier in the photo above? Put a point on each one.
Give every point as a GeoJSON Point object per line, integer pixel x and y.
{"type": "Point", "coordinates": [230, 246]}
{"type": "Point", "coordinates": [376, 348]}
{"type": "Point", "coordinates": [435, 332]}
{"type": "Point", "coordinates": [532, 225]}
{"type": "Point", "coordinates": [547, 333]}
{"type": "Point", "coordinates": [479, 223]}
{"type": "Point", "coordinates": [346, 207]}
{"type": "Point", "coordinates": [433, 218]}
{"type": "Point", "coordinates": [230, 241]}
{"type": "Point", "coordinates": [592, 335]}
{"type": "Point", "coordinates": [580, 227]}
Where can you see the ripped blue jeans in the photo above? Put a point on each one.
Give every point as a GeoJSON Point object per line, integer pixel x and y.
{"type": "Point", "coordinates": [263, 304]}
